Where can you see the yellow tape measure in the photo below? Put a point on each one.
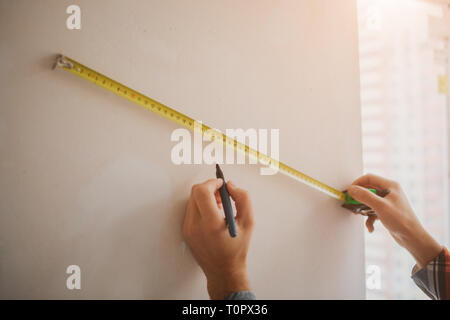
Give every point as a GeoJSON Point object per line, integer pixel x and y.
{"type": "Point", "coordinates": [188, 122]}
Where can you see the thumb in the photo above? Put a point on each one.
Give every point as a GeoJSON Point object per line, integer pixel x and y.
{"type": "Point", "coordinates": [370, 199]}
{"type": "Point", "coordinates": [241, 198]}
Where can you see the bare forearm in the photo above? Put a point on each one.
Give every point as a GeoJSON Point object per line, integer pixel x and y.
{"type": "Point", "coordinates": [220, 287]}
{"type": "Point", "coordinates": [423, 247]}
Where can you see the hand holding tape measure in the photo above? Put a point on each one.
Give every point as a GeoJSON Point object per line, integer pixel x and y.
{"type": "Point", "coordinates": [181, 119]}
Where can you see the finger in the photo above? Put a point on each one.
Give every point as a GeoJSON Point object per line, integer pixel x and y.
{"type": "Point", "coordinates": [244, 210]}
{"type": "Point", "coordinates": [191, 207]}
{"type": "Point", "coordinates": [190, 217]}
{"type": "Point", "coordinates": [369, 223]}
{"type": "Point", "coordinates": [212, 185]}
{"type": "Point", "coordinates": [370, 199]}
{"type": "Point", "coordinates": [205, 200]}
{"type": "Point", "coordinates": [373, 181]}
{"type": "Point", "coordinates": [218, 199]}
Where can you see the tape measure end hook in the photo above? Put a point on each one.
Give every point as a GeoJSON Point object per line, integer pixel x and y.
{"type": "Point", "coordinates": [62, 61]}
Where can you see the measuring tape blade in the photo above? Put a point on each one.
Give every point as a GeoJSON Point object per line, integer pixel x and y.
{"type": "Point", "coordinates": [189, 123]}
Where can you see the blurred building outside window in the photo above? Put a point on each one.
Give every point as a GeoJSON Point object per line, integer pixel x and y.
{"type": "Point", "coordinates": [404, 67]}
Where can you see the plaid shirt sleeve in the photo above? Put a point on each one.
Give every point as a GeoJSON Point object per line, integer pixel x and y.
{"type": "Point", "coordinates": [434, 278]}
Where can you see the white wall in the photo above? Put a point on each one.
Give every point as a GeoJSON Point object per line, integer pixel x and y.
{"type": "Point", "coordinates": [86, 177]}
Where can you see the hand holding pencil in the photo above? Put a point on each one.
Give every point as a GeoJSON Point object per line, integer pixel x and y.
{"type": "Point", "coordinates": [222, 258]}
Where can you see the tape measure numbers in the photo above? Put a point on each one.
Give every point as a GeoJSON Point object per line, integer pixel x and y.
{"type": "Point", "coordinates": [188, 122]}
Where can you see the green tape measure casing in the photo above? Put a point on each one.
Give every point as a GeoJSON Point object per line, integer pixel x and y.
{"type": "Point", "coordinates": [350, 200]}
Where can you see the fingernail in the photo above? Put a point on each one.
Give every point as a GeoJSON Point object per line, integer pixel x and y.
{"type": "Point", "coordinates": [230, 183]}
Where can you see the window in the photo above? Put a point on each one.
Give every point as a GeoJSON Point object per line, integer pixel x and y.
{"type": "Point", "coordinates": [404, 53]}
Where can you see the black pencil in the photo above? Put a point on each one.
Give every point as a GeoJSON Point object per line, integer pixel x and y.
{"type": "Point", "coordinates": [226, 203]}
